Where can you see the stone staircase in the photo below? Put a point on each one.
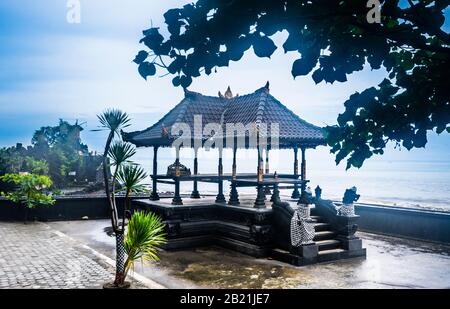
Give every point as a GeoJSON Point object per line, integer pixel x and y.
{"type": "Point", "coordinates": [329, 247]}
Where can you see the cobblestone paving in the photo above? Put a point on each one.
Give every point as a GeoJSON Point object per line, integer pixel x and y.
{"type": "Point", "coordinates": [33, 256]}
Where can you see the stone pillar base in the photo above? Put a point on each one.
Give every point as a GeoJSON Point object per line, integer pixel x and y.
{"type": "Point", "coordinates": [195, 194]}
{"type": "Point", "coordinates": [220, 198]}
{"type": "Point", "coordinates": [309, 251]}
{"type": "Point", "coordinates": [154, 196]}
{"type": "Point", "coordinates": [177, 200]}
{"type": "Point", "coordinates": [350, 243]}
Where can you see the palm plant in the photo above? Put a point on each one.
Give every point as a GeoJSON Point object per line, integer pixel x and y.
{"type": "Point", "coordinates": [119, 154]}
{"type": "Point", "coordinates": [114, 120]}
{"type": "Point", "coordinates": [145, 235]}
{"type": "Point", "coordinates": [130, 177]}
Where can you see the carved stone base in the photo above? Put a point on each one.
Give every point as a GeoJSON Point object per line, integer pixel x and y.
{"type": "Point", "coordinates": [350, 243]}
{"type": "Point", "coordinates": [260, 198]}
{"type": "Point", "coordinates": [295, 194]}
{"type": "Point", "coordinates": [234, 196]}
{"type": "Point", "coordinates": [195, 194]}
{"type": "Point", "coordinates": [309, 251]}
{"type": "Point", "coordinates": [177, 200]}
{"type": "Point", "coordinates": [220, 198]}
{"type": "Point", "coordinates": [154, 196]}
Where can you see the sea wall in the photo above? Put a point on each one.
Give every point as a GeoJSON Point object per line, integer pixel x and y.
{"type": "Point", "coordinates": [65, 209]}
{"type": "Point", "coordinates": [404, 222]}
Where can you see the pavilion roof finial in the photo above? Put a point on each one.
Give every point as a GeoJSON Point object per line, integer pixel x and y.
{"type": "Point", "coordinates": [228, 94]}
{"type": "Point", "coordinates": [267, 86]}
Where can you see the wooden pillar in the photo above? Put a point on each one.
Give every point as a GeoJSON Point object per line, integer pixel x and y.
{"type": "Point", "coordinates": [220, 198]}
{"type": "Point", "coordinates": [177, 197]}
{"type": "Point", "coordinates": [303, 172]}
{"type": "Point", "coordinates": [154, 195]}
{"type": "Point", "coordinates": [260, 196]}
{"type": "Point", "coordinates": [295, 193]}
{"type": "Point", "coordinates": [267, 171]}
{"type": "Point", "coordinates": [195, 193]}
{"type": "Point", "coordinates": [260, 171]}
{"type": "Point", "coordinates": [234, 196]}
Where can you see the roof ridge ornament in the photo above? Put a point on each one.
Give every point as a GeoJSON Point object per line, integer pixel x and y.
{"type": "Point", "coordinates": [228, 94]}
{"type": "Point", "coordinates": [267, 86]}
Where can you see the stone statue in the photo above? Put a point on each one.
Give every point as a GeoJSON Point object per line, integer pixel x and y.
{"type": "Point", "coordinates": [306, 198]}
{"type": "Point", "coordinates": [318, 192]}
{"type": "Point", "coordinates": [348, 209]}
{"type": "Point", "coordinates": [350, 196]}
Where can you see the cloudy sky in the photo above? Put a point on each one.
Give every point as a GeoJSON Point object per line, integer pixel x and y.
{"type": "Point", "coordinates": [50, 69]}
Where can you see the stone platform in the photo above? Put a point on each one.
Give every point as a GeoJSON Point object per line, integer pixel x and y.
{"type": "Point", "coordinates": [259, 232]}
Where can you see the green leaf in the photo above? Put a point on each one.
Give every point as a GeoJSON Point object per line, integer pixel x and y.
{"type": "Point", "coordinates": [147, 69]}
{"type": "Point", "coordinates": [263, 46]}
{"type": "Point", "coordinates": [303, 66]}
{"type": "Point", "coordinates": [140, 57]}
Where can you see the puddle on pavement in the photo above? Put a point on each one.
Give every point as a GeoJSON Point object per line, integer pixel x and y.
{"type": "Point", "coordinates": [219, 268]}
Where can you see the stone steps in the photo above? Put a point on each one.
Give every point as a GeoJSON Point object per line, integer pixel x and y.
{"type": "Point", "coordinates": [321, 226]}
{"type": "Point", "coordinates": [324, 235]}
{"type": "Point", "coordinates": [330, 255]}
{"type": "Point", "coordinates": [328, 244]}
{"type": "Point", "coordinates": [330, 249]}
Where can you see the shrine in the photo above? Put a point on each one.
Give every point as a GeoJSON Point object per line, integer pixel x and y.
{"type": "Point", "coordinates": [262, 225]}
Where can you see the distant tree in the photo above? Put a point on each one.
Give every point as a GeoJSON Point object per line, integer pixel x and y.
{"type": "Point", "coordinates": [13, 160]}
{"type": "Point", "coordinates": [334, 39]}
{"type": "Point", "coordinates": [28, 189]}
{"type": "Point", "coordinates": [64, 135]}
{"type": "Point", "coordinates": [56, 151]}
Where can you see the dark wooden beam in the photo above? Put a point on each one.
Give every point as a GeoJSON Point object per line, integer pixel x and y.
{"type": "Point", "coordinates": [220, 198]}
{"type": "Point", "coordinates": [303, 172]}
{"type": "Point", "coordinates": [295, 193]}
{"type": "Point", "coordinates": [177, 197]}
{"type": "Point", "coordinates": [234, 196]}
{"type": "Point", "coordinates": [154, 195]}
{"type": "Point", "coordinates": [195, 193]}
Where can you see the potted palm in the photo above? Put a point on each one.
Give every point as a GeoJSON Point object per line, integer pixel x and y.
{"type": "Point", "coordinates": [146, 230]}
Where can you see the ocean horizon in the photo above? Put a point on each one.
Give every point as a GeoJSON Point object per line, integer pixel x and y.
{"type": "Point", "coordinates": [402, 183]}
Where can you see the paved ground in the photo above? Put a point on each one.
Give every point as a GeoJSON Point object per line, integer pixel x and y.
{"type": "Point", "coordinates": [35, 256]}
{"type": "Point", "coordinates": [391, 263]}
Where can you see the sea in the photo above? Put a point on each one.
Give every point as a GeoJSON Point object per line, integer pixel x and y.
{"type": "Point", "coordinates": [399, 182]}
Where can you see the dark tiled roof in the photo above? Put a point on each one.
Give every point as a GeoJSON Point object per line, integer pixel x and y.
{"type": "Point", "coordinates": [258, 107]}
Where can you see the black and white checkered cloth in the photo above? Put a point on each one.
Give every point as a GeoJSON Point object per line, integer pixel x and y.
{"type": "Point", "coordinates": [302, 227]}
{"type": "Point", "coordinates": [347, 210]}
{"type": "Point", "coordinates": [120, 253]}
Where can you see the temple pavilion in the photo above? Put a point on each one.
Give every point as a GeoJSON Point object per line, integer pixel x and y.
{"type": "Point", "coordinates": [257, 226]}
{"type": "Point", "coordinates": [283, 129]}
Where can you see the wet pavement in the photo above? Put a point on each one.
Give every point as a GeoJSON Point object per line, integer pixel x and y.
{"type": "Point", "coordinates": [391, 263]}
{"type": "Point", "coordinates": [34, 256]}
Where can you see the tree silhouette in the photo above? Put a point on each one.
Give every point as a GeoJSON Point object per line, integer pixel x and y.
{"type": "Point", "coordinates": [333, 39]}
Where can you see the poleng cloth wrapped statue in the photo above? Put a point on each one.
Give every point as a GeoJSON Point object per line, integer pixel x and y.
{"type": "Point", "coordinates": [302, 227]}
{"type": "Point", "coordinates": [348, 209]}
